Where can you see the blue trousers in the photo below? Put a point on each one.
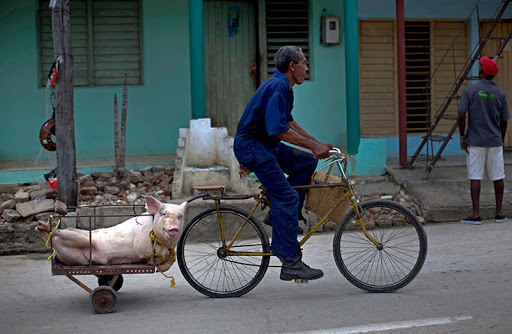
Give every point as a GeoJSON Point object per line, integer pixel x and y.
{"type": "Point", "coordinates": [270, 166]}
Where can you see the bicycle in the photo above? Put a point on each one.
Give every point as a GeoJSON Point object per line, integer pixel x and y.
{"type": "Point", "coordinates": [379, 245]}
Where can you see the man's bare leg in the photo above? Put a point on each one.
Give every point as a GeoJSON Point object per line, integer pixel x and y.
{"type": "Point", "coordinates": [475, 198]}
{"type": "Point", "coordinates": [499, 187]}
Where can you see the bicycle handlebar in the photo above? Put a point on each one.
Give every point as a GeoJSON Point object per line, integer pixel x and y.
{"type": "Point", "coordinates": [334, 150]}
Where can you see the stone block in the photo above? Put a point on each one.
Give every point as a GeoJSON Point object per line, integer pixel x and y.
{"type": "Point", "coordinates": [21, 196]}
{"type": "Point", "coordinates": [91, 190]}
{"type": "Point", "coordinates": [9, 204]}
{"type": "Point", "coordinates": [112, 190]}
{"type": "Point", "coordinates": [136, 177]}
{"type": "Point", "coordinates": [84, 179]}
{"type": "Point", "coordinates": [204, 177]}
{"type": "Point", "coordinates": [9, 215]}
{"type": "Point", "coordinates": [35, 207]}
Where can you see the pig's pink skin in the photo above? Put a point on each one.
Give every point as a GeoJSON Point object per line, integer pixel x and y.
{"type": "Point", "coordinates": [128, 242]}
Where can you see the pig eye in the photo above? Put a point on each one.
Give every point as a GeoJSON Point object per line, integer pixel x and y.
{"type": "Point", "coordinates": [180, 216]}
{"type": "Point", "coordinates": [165, 214]}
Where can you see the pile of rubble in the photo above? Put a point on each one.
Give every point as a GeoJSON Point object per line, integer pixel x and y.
{"type": "Point", "coordinates": [33, 202]}
{"type": "Point", "coordinates": [22, 206]}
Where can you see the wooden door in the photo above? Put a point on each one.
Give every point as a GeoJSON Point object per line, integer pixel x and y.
{"type": "Point", "coordinates": [504, 77]}
{"type": "Point", "coordinates": [231, 71]}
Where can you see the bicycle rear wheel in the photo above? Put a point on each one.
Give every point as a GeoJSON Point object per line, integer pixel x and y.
{"type": "Point", "coordinates": [207, 266]}
{"type": "Point", "coordinates": [403, 240]}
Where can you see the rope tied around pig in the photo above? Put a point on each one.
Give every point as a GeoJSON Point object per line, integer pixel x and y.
{"type": "Point", "coordinates": [156, 256]}
{"type": "Point", "coordinates": [50, 234]}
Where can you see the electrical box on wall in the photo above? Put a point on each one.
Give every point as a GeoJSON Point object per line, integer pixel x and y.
{"type": "Point", "coordinates": [330, 26]}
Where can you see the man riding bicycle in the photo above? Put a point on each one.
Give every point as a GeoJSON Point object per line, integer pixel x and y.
{"type": "Point", "coordinates": [266, 121]}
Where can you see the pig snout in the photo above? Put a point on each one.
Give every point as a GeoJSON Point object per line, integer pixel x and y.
{"type": "Point", "coordinates": [172, 231]}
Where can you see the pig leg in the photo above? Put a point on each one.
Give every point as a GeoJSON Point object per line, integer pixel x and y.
{"type": "Point", "coordinates": [164, 267]}
{"type": "Point", "coordinates": [72, 238]}
{"type": "Point", "coordinates": [167, 265]}
{"type": "Point", "coordinates": [42, 230]}
{"type": "Point", "coordinates": [68, 244]}
{"type": "Point", "coordinates": [70, 255]}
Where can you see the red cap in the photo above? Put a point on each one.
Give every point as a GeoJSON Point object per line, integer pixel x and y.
{"type": "Point", "coordinates": [489, 66]}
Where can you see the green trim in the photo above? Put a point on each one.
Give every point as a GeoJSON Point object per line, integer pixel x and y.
{"type": "Point", "coordinates": [196, 26]}
{"type": "Point", "coordinates": [352, 75]}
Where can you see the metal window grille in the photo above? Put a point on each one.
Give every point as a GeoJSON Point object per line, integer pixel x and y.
{"type": "Point", "coordinates": [287, 23]}
{"type": "Point", "coordinates": [417, 67]}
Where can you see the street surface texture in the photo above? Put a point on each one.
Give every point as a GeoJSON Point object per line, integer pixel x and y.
{"type": "Point", "coordinates": [464, 287]}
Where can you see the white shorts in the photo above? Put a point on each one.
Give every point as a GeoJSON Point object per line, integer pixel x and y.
{"type": "Point", "coordinates": [485, 161]}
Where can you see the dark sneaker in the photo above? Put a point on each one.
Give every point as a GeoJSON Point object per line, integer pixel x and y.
{"type": "Point", "coordinates": [500, 219]}
{"type": "Point", "coordinates": [296, 269]}
{"type": "Point", "coordinates": [473, 221]}
{"type": "Point", "coordinates": [268, 221]}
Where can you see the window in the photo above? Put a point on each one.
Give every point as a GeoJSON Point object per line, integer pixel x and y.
{"type": "Point", "coordinates": [417, 68]}
{"type": "Point", "coordinates": [105, 39]}
{"type": "Point", "coordinates": [286, 23]}
{"type": "Point", "coordinates": [431, 56]}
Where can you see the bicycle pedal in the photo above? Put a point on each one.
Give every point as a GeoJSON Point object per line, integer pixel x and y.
{"type": "Point", "coordinates": [301, 281]}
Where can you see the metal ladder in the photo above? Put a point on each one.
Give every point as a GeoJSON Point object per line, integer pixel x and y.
{"type": "Point", "coordinates": [463, 75]}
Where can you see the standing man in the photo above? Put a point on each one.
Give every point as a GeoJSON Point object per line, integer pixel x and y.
{"type": "Point", "coordinates": [266, 121]}
{"type": "Point", "coordinates": [488, 113]}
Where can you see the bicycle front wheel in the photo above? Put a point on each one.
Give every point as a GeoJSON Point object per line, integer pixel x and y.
{"type": "Point", "coordinates": [206, 263]}
{"type": "Point", "coordinates": [403, 244]}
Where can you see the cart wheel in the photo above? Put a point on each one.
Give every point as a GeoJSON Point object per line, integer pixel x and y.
{"type": "Point", "coordinates": [103, 299]}
{"type": "Point", "coordinates": [106, 279]}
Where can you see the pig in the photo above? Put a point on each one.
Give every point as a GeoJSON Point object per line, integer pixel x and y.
{"type": "Point", "coordinates": [127, 242]}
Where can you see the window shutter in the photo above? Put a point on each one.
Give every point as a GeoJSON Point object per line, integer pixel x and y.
{"type": "Point", "coordinates": [116, 42]}
{"type": "Point", "coordinates": [105, 38]}
{"type": "Point", "coordinates": [287, 23]}
{"type": "Point", "coordinates": [377, 82]}
{"type": "Point", "coordinates": [78, 10]}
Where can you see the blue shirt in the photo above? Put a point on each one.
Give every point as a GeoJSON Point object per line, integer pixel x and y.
{"type": "Point", "coordinates": [268, 111]}
{"type": "Point", "coordinates": [486, 105]}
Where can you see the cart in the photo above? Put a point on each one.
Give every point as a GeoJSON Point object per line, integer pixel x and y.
{"type": "Point", "coordinates": [103, 299]}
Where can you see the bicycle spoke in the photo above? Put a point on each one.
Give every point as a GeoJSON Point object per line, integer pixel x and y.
{"type": "Point", "coordinates": [209, 267]}
{"type": "Point", "coordinates": [403, 250]}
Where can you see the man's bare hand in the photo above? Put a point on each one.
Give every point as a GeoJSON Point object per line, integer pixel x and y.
{"type": "Point", "coordinates": [329, 146]}
{"type": "Point", "coordinates": [321, 151]}
{"type": "Point", "coordinates": [464, 144]}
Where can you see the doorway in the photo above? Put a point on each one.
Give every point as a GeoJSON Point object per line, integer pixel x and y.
{"type": "Point", "coordinates": [231, 62]}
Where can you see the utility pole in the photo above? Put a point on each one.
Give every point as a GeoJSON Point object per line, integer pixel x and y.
{"type": "Point", "coordinates": [64, 116]}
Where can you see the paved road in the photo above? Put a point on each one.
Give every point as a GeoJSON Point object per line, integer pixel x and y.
{"type": "Point", "coordinates": [464, 287]}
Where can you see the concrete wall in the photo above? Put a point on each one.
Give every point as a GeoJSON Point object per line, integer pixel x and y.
{"type": "Point", "coordinates": [162, 104]}
{"type": "Point", "coordinates": [320, 103]}
{"type": "Point", "coordinates": [156, 109]}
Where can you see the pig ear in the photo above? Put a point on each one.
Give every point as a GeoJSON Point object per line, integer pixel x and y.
{"type": "Point", "coordinates": [153, 204]}
{"type": "Point", "coordinates": [182, 207]}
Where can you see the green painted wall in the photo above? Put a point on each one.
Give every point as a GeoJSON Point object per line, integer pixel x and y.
{"type": "Point", "coordinates": [156, 109]}
{"type": "Point", "coordinates": [320, 106]}
{"type": "Point", "coordinates": [163, 103]}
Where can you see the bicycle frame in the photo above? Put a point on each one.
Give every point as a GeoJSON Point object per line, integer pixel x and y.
{"type": "Point", "coordinates": [261, 200]}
